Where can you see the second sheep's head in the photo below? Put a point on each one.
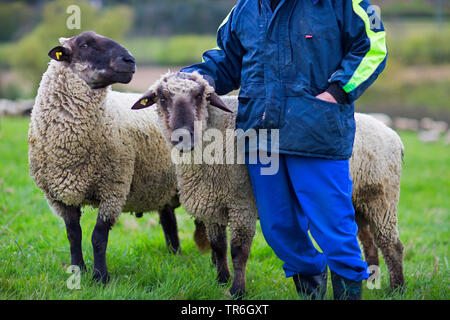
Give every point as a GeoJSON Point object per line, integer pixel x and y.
{"type": "Point", "coordinates": [96, 59]}
{"type": "Point", "coordinates": [181, 100]}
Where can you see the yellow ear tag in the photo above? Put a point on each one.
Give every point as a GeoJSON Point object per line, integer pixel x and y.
{"type": "Point", "coordinates": [144, 102]}
{"type": "Point", "coordinates": [58, 54]}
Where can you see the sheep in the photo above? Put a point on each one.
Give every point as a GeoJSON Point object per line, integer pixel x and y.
{"type": "Point", "coordinates": [387, 120]}
{"type": "Point", "coordinates": [375, 168]}
{"type": "Point", "coordinates": [218, 195]}
{"type": "Point", "coordinates": [213, 193]}
{"type": "Point", "coordinates": [87, 148]}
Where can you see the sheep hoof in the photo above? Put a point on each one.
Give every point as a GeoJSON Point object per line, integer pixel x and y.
{"type": "Point", "coordinates": [101, 278]}
{"type": "Point", "coordinates": [237, 293]}
{"type": "Point", "coordinates": [175, 251]}
{"type": "Point", "coordinates": [223, 277]}
{"type": "Point", "coordinates": [83, 268]}
{"type": "Point", "coordinates": [398, 288]}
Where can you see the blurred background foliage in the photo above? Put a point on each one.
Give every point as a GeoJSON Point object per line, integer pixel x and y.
{"type": "Point", "coordinates": [172, 33]}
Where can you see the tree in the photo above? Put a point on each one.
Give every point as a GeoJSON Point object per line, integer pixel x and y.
{"type": "Point", "coordinates": [13, 18]}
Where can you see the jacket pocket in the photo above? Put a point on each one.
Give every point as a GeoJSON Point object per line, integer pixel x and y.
{"type": "Point", "coordinates": [251, 106]}
{"type": "Point", "coordinates": [332, 112]}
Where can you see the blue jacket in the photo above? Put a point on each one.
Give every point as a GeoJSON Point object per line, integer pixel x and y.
{"type": "Point", "coordinates": [281, 60]}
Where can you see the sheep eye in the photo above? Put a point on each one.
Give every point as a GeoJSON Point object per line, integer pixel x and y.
{"type": "Point", "coordinates": [84, 46]}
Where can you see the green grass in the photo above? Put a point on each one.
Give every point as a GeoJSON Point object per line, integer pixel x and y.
{"type": "Point", "coordinates": [34, 251]}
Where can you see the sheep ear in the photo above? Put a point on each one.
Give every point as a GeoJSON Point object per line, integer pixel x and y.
{"type": "Point", "coordinates": [62, 40]}
{"type": "Point", "coordinates": [145, 101]}
{"type": "Point", "coordinates": [60, 53]}
{"type": "Point", "coordinates": [215, 101]}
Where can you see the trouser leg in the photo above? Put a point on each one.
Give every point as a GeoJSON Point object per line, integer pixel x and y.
{"type": "Point", "coordinates": [323, 189]}
{"type": "Point", "coordinates": [283, 222]}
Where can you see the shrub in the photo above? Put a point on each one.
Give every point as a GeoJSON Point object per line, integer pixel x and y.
{"type": "Point", "coordinates": [183, 50]}
{"type": "Point", "coordinates": [431, 47]}
{"type": "Point", "coordinates": [412, 8]}
{"type": "Point", "coordinates": [11, 91]}
{"type": "Point", "coordinates": [14, 17]}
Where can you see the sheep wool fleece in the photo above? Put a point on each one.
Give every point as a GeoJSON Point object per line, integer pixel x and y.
{"type": "Point", "coordinates": [86, 147]}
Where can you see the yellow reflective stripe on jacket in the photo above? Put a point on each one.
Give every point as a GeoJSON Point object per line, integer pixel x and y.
{"type": "Point", "coordinates": [374, 57]}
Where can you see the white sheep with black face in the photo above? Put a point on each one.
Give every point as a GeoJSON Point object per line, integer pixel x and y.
{"type": "Point", "coordinates": [222, 194]}
{"type": "Point", "coordinates": [86, 147]}
{"type": "Point", "coordinates": [216, 194]}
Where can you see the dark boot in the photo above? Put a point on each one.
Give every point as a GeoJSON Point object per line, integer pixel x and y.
{"type": "Point", "coordinates": [311, 287]}
{"type": "Point", "coordinates": [344, 289]}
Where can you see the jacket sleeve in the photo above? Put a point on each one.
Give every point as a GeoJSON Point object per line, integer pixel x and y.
{"type": "Point", "coordinates": [222, 65]}
{"type": "Point", "coordinates": [364, 40]}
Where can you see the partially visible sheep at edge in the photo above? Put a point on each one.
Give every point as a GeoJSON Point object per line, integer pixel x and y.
{"type": "Point", "coordinates": [375, 168]}
{"type": "Point", "coordinates": [221, 194]}
{"type": "Point", "coordinates": [87, 148]}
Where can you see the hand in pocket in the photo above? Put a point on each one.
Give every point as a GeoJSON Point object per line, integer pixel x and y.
{"type": "Point", "coordinates": [326, 96]}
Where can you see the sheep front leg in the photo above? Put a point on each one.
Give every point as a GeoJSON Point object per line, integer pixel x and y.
{"type": "Point", "coordinates": [71, 218]}
{"type": "Point", "coordinates": [217, 235]}
{"type": "Point", "coordinates": [241, 243]}
{"type": "Point", "coordinates": [242, 232]}
{"type": "Point", "coordinates": [99, 244]}
{"type": "Point", "coordinates": [113, 194]}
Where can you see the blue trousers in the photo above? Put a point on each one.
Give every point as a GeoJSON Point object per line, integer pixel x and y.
{"type": "Point", "coordinates": [315, 194]}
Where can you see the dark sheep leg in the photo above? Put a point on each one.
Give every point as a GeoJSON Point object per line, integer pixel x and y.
{"type": "Point", "coordinates": [99, 244]}
{"type": "Point", "coordinates": [239, 255]}
{"type": "Point", "coordinates": [368, 244]}
{"type": "Point", "coordinates": [393, 256]}
{"type": "Point", "coordinates": [74, 235]}
{"type": "Point", "coordinates": [201, 238]}
{"type": "Point", "coordinates": [168, 222]}
{"type": "Point", "coordinates": [218, 239]}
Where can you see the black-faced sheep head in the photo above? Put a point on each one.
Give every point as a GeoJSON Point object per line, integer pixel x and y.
{"type": "Point", "coordinates": [98, 60]}
{"type": "Point", "coordinates": [181, 100]}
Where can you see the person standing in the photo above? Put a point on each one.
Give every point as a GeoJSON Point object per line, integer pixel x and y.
{"type": "Point", "coordinates": [300, 65]}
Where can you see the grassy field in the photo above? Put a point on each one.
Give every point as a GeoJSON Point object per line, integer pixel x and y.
{"type": "Point", "coordinates": [34, 251]}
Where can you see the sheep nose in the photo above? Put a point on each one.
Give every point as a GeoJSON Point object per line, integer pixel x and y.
{"type": "Point", "coordinates": [129, 59]}
{"type": "Point", "coordinates": [183, 139]}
